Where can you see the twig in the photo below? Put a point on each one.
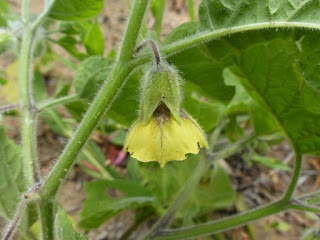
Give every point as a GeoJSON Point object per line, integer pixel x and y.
{"type": "Point", "coordinates": [51, 103]}
{"type": "Point", "coordinates": [154, 49]}
{"type": "Point", "coordinates": [9, 107]}
{"type": "Point", "coordinates": [27, 197]}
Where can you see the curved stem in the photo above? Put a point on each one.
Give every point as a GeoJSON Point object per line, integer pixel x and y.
{"type": "Point", "coordinates": [295, 176]}
{"type": "Point", "coordinates": [50, 103]}
{"type": "Point", "coordinates": [224, 224]}
{"type": "Point", "coordinates": [205, 36]}
{"type": "Point", "coordinates": [101, 103]}
{"type": "Point", "coordinates": [154, 48]}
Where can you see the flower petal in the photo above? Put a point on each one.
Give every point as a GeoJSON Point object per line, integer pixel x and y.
{"type": "Point", "coordinates": [165, 140]}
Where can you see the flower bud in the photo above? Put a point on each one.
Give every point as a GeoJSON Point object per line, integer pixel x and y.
{"type": "Point", "coordinates": [161, 84]}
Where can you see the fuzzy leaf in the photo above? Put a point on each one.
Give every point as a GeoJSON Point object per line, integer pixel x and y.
{"type": "Point", "coordinates": [99, 207]}
{"type": "Point", "coordinates": [278, 68]}
{"type": "Point", "coordinates": [64, 228]}
{"type": "Point", "coordinates": [90, 74]}
{"type": "Point", "coordinates": [11, 176]}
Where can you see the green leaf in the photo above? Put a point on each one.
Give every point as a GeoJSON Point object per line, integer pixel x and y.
{"type": "Point", "coordinates": [217, 14]}
{"type": "Point", "coordinates": [99, 207]}
{"type": "Point", "coordinates": [206, 113]}
{"type": "Point", "coordinates": [68, 28]}
{"type": "Point", "coordinates": [309, 66]}
{"type": "Point", "coordinates": [93, 40]}
{"type": "Point", "coordinates": [4, 10]}
{"type": "Point", "coordinates": [270, 63]}
{"type": "Point", "coordinates": [157, 9]}
{"type": "Point", "coordinates": [64, 228]}
{"type": "Point", "coordinates": [11, 176]}
{"type": "Point", "coordinates": [125, 109]}
{"type": "Point", "coordinates": [39, 88]}
{"type": "Point", "coordinates": [69, 44]}
{"type": "Point", "coordinates": [213, 192]}
{"type": "Point", "coordinates": [263, 122]}
{"type": "Point", "coordinates": [240, 101]}
{"type": "Point", "coordinates": [199, 67]}
{"type": "Point", "coordinates": [233, 129]}
{"type": "Point", "coordinates": [270, 75]}
{"type": "Point", "coordinates": [270, 162]}
{"type": "Point", "coordinates": [77, 108]}
{"type": "Point", "coordinates": [91, 73]}
{"type": "Point", "coordinates": [55, 121]}
{"type": "Point", "coordinates": [76, 10]}
{"type": "Point", "coordinates": [119, 138]}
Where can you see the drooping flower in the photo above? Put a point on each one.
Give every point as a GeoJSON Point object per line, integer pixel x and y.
{"type": "Point", "coordinates": [163, 139]}
{"type": "Point", "coordinates": [163, 131]}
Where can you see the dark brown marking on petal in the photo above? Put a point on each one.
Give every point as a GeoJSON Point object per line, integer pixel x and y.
{"type": "Point", "coordinates": [198, 146]}
{"type": "Point", "coordinates": [161, 129]}
{"type": "Point", "coordinates": [162, 112]}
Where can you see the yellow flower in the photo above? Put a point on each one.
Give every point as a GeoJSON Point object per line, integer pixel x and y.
{"type": "Point", "coordinates": [163, 139]}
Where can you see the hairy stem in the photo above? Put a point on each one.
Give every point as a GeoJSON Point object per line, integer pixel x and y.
{"type": "Point", "coordinates": [28, 110]}
{"type": "Point", "coordinates": [101, 103]}
{"type": "Point", "coordinates": [46, 214]}
{"type": "Point", "coordinates": [20, 210]}
{"type": "Point", "coordinates": [223, 224]}
{"type": "Point", "coordinates": [9, 107]}
{"type": "Point", "coordinates": [154, 49]}
{"type": "Point", "coordinates": [50, 103]}
{"type": "Point", "coordinates": [16, 219]}
{"type": "Point", "coordinates": [205, 36]}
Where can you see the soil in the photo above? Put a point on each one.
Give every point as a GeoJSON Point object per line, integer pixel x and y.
{"type": "Point", "coordinates": [257, 184]}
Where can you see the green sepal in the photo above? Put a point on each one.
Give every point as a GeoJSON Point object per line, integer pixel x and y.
{"type": "Point", "coordinates": [161, 85]}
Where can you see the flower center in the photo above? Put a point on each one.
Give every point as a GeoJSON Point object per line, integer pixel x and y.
{"type": "Point", "coordinates": [162, 112]}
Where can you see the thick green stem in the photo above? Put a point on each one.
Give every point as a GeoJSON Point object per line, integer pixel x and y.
{"type": "Point", "coordinates": [224, 224]}
{"type": "Point", "coordinates": [95, 112]}
{"type": "Point", "coordinates": [28, 110]}
{"type": "Point", "coordinates": [46, 214]}
{"type": "Point", "coordinates": [100, 104]}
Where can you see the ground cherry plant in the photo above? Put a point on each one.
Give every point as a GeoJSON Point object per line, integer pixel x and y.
{"type": "Point", "coordinates": [243, 77]}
